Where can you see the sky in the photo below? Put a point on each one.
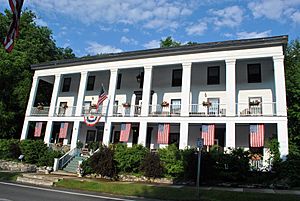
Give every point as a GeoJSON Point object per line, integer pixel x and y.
{"type": "Point", "coordinates": [111, 26]}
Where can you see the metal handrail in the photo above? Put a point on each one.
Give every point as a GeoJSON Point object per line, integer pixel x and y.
{"type": "Point", "coordinates": [67, 157]}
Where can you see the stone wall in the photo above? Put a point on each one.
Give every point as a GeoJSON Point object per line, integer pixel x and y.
{"type": "Point", "coordinates": [16, 166]}
{"type": "Point", "coordinates": [132, 178]}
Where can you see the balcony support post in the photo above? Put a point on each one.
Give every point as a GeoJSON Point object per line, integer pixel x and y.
{"type": "Point", "coordinates": [230, 87]}
{"type": "Point", "coordinates": [230, 135]}
{"type": "Point", "coordinates": [75, 133]}
{"type": "Point", "coordinates": [48, 132]}
{"type": "Point", "coordinates": [81, 93]}
{"type": "Point", "coordinates": [146, 90]}
{"type": "Point", "coordinates": [184, 135]}
{"type": "Point", "coordinates": [34, 88]}
{"type": "Point", "coordinates": [54, 94]}
{"type": "Point", "coordinates": [185, 89]}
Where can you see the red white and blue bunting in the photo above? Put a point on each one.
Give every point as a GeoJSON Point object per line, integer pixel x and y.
{"type": "Point", "coordinates": [91, 120]}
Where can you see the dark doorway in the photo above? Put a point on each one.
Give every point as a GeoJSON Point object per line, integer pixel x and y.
{"type": "Point", "coordinates": [148, 137]}
{"type": "Point", "coordinates": [135, 135]}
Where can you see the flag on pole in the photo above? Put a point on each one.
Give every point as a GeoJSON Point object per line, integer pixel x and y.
{"type": "Point", "coordinates": [13, 31]}
{"type": "Point", "coordinates": [257, 132]}
{"type": "Point", "coordinates": [102, 96]}
{"type": "Point", "coordinates": [38, 129]}
{"type": "Point", "coordinates": [208, 134]}
{"type": "Point", "coordinates": [63, 131]}
{"type": "Point", "coordinates": [163, 133]}
{"type": "Point", "coordinates": [125, 132]}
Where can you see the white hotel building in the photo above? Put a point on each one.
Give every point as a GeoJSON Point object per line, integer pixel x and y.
{"type": "Point", "coordinates": [231, 84]}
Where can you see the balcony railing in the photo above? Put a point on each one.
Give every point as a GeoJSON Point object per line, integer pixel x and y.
{"type": "Point", "coordinates": [214, 109]}
{"type": "Point", "coordinates": [258, 109]}
{"type": "Point", "coordinates": [169, 110]}
{"type": "Point", "coordinates": [40, 111]}
{"type": "Point", "coordinates": [126, 111]}
{"type": "Point", "coordinates": [88, 110]}
{"type": "Point", "coordinates": [65, 111]}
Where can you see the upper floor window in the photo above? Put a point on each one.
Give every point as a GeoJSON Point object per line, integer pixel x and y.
{"type": "Point", "coordinates": [254, 73]}
{"type": "Point", "coordinates": [119, 81]}
{"type": "Point", "coordinates": [213, 75]}
{"type": "Point", "coordinates": [177, 78]}
{"type": "Point", "coordinates": [90, 83]}
{"type": "Point", "coordinates": [66, 84]}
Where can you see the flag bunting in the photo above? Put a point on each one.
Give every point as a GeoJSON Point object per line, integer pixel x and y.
{"type": "Point", "coordinates": [91, 120]}
{"type": "Point", "coordinates": [257, 135]}
{"type": "Point", "coordinates": [208, 134]}
{"type": "Point", "coordinates": [163, 133]}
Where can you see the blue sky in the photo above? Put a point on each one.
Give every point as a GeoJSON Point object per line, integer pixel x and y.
{"type": "Point", "coordinates": [109, 26]}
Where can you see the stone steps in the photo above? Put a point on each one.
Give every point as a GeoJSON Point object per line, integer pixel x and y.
{"type": "Point", "coordinates": [73, 164]}
{"type": "Point", "coordinates": [38, 179]}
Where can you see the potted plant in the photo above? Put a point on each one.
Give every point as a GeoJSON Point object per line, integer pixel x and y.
{"type": "Point", "coordinates": [206, 103]}
{"type": "Point", "coordinates": [40, 106]}
{"type": "Point", "coordinates": [164, 104]}
{"type": "Point", "coordinates": [254, 103]}
{"type": "Point", "coordinates": [126, 105]}
{"type": "Point", "coordinates": [93, 106]}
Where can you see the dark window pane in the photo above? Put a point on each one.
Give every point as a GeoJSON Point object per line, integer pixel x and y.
{"type": "Point", "coordinates": [119, 81]}
{"type": "Point", "coordinates": [67, 84]}
{"type": "Point", "coordinates": [254, 73]}
{"type": "Point", "coordinates": [213, 75]}
{"type": "Point", "coordinates": [90, 83]}
{"type": "Point", "coordinates": [177, 78]}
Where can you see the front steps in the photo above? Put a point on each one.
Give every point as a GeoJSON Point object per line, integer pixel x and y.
{"type": "Point", "coordinates": [38, 179]}
{"type": "Point", "coordinates": [73, 164]}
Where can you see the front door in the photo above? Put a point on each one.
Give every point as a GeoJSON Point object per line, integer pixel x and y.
{"type": "Point", "coordinates": [213, 109]}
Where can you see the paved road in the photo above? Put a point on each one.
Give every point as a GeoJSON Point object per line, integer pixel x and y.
{"type": "Point", "coordinates": [20, 192]}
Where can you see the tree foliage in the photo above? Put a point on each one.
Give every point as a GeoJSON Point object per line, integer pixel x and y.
{"type": "Point", "coordinates": [34, 45]}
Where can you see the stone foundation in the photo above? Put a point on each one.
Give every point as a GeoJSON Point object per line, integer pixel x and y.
{"type": "Point", "coordinates": [132, 178]}
{"type": "Point", "coordinates": [16, 166]}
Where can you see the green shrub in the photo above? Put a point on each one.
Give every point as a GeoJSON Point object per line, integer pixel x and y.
{"type": "Point", "coordinates": [9, 149]}
{"type": "Point", "coordinates": [48, 158]}
{"type": "Point", "coordinates": [190, 159]}
{"type": "Point", "coordinates": [93, 145]}
{"type": "Point", "coordinates": [129, 159]}
{"type": "Point", "coordinates": [151, 166]}
{"type": "Point", "coordinates": [86, 167]}
{"type": "Point", "coordinates": [273, 144]}
{"type": "Point", "coordinates": [33, 150]}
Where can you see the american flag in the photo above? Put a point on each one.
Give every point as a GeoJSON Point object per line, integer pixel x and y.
{"type": "Point", "coordinates": [38, 129]}
{"type": "Point", "coordinates": [257, 135]}
{"type": "Point", "coordinates": [13, 31]}
{"type": "Point", "coordinates": [208, 134]}
{"type": "Point", "coordinates": [63, 131]}
{"type": "Point", "coordinates": [102, 96]}
{"type": "Point", "coordinates": [125, 131]}
{"type": "Point", "coordinates": [163, 133]}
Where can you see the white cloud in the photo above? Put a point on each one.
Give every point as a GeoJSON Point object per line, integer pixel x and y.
{"type": "Point", "coordinates": [197, 29]}
{"type": "Point", "coordinates": [296, 17]}
{"type": "Point", "coordinates": [126, 40]}
{"type": "Point", "coordinates": [152, 44]}
{"type": "Point", "coordinates": [96, 48]}
{"type": "Point", "coordinates": [244, 34]}
{"type": "Point", "coordinates": [228, 17]}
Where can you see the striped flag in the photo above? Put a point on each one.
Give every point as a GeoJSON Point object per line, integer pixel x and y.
{"type": "Point", "coordinates": [38, 129]}
{"type": "Point", "coordinates": [102, 96]}
{"type": "Point", "coordinates": [13, 31]}
{"type": "Point", "coordinates": [208, 134]}
{"type": "Point", "coordinates": [257, 132]}
{"type": "Point", "coordinates": [125, 132]}
{"type": "Point", "coordinates": [63, 131]}
{"type": "Point", "coordinates": [163, 133]}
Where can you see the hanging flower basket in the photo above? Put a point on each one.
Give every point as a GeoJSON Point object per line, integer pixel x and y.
{"type": "Point", "coordinates": [256, 157]}
{"type": "Point", "coordinates": [164, 104]}
{"type": "Point", "coordinates": [94, 106]}
{"type": "Point", "coordinates": [126, 105]}
{"type": "Point", "coordinates": [40, 106]}
{"type": "Point", "coordinates": [206, 103]}
{"type": "Point", "coordinates": [254, 103]}
{"type": "Point", "coordinates": [65, 106]}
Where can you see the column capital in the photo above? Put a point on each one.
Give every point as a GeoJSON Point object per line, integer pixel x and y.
{"type": "Point", "coordinates": [230, 61]}
{"type": "Point", "coordinates": [114, 70]}
{"type": "Point", "coordinates": [84, 72]}
{"type": "Point", "coordinates": [148, 67]}
{"type": "Point", "coordinates": [187, 65]}
{"type": "Point", "coordinates": [278, 58]}
{"type": "Point", "coordinates": [57, 75]}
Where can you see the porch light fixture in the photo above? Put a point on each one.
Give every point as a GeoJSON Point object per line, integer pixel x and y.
{"type": "Point", "coordinates": [139, 78]}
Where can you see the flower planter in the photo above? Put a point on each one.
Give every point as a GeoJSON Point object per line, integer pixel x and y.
{"type": "Point", "coordinates": [207, 104]}
{"type": "Point", "coordinates": [126, 105]}
{"type": "Point", "coordinates": [254, 103]}
{"type": "Point", "coordinates": [164, 104]}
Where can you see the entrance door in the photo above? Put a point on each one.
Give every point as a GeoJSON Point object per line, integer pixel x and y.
{"type": "Point", "coordinates": [135, 135]}
{"type": "Point", "coordinates": [213, 109]}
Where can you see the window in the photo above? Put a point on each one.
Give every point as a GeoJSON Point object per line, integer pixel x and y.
{"type": "Point", "coordinates": [119, 81]}
{"type": "Point", "coordinates": [90, 83]}
{"type": "Point", "coordinates": [174, 139]}
{"type": "Point", "coordinates": [67, 84]}
{"type": "Point", "coordinates": [254, 73]}
{"type": "Point", "coordinates": [90, 136]}
{"type": "Point", "coordinates": [213, 75]}
{"type": "Point", "coordinates": [177, 78]}
{"type": "Point", "coordinates": [175, 106]}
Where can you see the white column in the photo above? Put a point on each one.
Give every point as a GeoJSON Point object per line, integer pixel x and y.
{"type": "Point", "coordinates": [54, 95]}
{"type": "Point", "coordinates": [25, 129]}
{"type": "Point", "coordinates": [34, 87]}
{"type": "Point", "coordinates": [185, 89]}
{"type": "Point", "coordinates": [112, 91]}
{"type": "Point", "coordinates": [48, 132]}
{"type": "Point", "coordinates": [280, 85]}
{"type": "Point", "coordinates": [75, 134]}
{"type": "Point", "coordinates": [81, 93]}
{"type": "Point", "coordinates": [184, 135]}
{"type": "Point", "coordinates": [230, 87]}
{"type": "Point", "coordinates": [230, 135]}
{"type": "Point", "coordinates": [106, 133]}
{"type": "Point", "coordinates": [282, 133]}
{"type": "Point", "coordinates": [146, 90]}
{"type": "Point", "coordinates": [142, 133]}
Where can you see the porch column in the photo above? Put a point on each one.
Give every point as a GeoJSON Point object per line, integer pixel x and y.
{"type": "Point", "coordinates": [81, 92]}
{"type": "Point", "coordinates": [75, 134]}
{"type": "Point", "coordinates": [184, 135]}
{"type": "Point", "coordinates": [230, 87]}
{"type": "Point", "coordinates": [34, 87]}
{"type": "Point", "coordinates": [54, 95]}
{"type": "Point", "coordinates": [112, 91]}
{"type": "Point", "coordinates": [279, 80]}
{"type": "Point", "coordinates": [282, 133]}
{"type": "Point", "coordinates": [185, 89]}
{"type": "Point", "coordinates": [146, 90]}
{"type": "Point", "coordinates": [230, 135]}
{"type": "Point", "coordinates": [106, 133]}
{"type": "Point", "coordinates": [25, 129]}
{"type": "Point", "coordinates": [142, 133]}
{"type": "Point", "coordinates": [48, 132]}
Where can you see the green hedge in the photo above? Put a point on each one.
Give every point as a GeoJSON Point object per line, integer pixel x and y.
{"type": "Point", "coordinates": [9, 149]}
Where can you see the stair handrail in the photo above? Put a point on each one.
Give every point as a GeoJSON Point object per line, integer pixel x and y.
{"type": "Point", "coordinates": [62, 161]}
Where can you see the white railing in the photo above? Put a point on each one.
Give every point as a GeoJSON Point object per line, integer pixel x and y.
{"type": "Point", "coordinates": [257, 164]}
{"type": "Point", "coordinates": [207, 110]}
{"type": "Point", "coordinates": [65, 111]}
{"type": "Point", "coordinates": [127, 111]}
{"type": "Point", "coordinates": [64, 160]}
{"type": "Point", "coordinates": [88, 110]}
{"type": "Point", "coordinates": [259, 109]}
{"type": "Point", "coordinates": [40, 111]}
{"type": "Point", "coordinates": [169, 110]}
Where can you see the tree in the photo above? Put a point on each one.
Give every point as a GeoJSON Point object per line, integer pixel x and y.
{"type": "Point", "coordinates": [34, 45]}
{"type": "Point", "coordinates": [169, 42]}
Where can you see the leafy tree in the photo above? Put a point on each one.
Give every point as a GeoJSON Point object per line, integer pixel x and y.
{"type": "Point", "coordinates": [169, 42]}
{"type": "Point", "coordinates": [34, 45]}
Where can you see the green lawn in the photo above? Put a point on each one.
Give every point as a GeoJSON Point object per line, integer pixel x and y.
{"type": "Point", "coordinates": [9, 176]}
{"type": "Point", "coordinates": [186, 193]}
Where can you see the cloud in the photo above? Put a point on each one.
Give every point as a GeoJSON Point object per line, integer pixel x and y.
{"type": "Point", "coordinates": [96, 48]}
{"type": "Point", "coordinates": [40, 22]}
{"type": "Point", "coordinates": [126, 40]}
{"type": "Point", "coordinates": [296, 17]}
{"type": "Point", "coordinates": [244, 34]}
{"type": "Point", "coordinates": [152, 44]}
{"type": "Point", "coordinates": [228, 17]}
{"type": "Point", "coordinates": [197, 29]}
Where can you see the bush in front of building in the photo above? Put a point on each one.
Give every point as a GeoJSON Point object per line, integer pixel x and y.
{"type": "Point", "coordinates": [151, 166]}
{"type": "Point", "coordinates": [33, 150]}
{"type": "Point", "coordinates": [9, 149]}
{"type": "Point", "coordinates": [189, 156]}
{"type": "Point", "coordinates": [47, 159]}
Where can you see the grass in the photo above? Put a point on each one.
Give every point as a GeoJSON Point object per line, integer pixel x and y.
{"type": "Point", "coordinates": [169, 193]}
{"type": "Point", "coordinates": [9, 176]}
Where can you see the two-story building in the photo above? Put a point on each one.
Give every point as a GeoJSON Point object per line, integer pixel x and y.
{"type": "Point", "coordinates": [230, 84]}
